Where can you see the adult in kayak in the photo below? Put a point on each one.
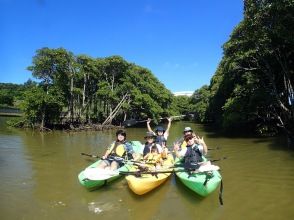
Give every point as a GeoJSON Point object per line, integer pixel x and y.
{"type": "Point", "coordinates": [193, 170]}
{"type": "Point", "coordinates": [150, 141]}
{"type": "Point", "coordinates": [118, 150]}
{"type": "Point", "coordinates": [192, 153]}
{"type": "Point", "coordinates": [160, 133]}
{"type": "Point", "coordinates": [182, 143]}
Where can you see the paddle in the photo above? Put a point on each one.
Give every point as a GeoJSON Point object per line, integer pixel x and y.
{"type": "Point", "coordinates": [132, 122]}
{"type": "Point", "coordinates": [109, 157]}
{"type": "Point", "coordinates": [217, 148]}
{"type": "Point", "coordinates": [91, 155]}
{"type": "Point", "coordinates": [199, 164]}
{"type": "Point", "coordinates": [117, 159]}
{"type": "Point", "coordinates": [222, 158]}
{"type": "Point", "coordinates": [95, 173]}
{"type": "Point", "coordinates": [138, 172]}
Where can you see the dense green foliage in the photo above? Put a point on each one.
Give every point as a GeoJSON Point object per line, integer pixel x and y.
{"type": "Point", "coordinates": [182, 105]}
{"type": "Point", "coordinates": [87, 90]}
{"type": "Point", "coordinates": [10, 93]}
{"type": "Point", "coordinates": [42, 107]}
{"type": "Point", "coordinates": [13, 94]}
{"type": "Point", "coordinates": [200, 102]}
{"type": "Point", "coordinates": [253, 85]}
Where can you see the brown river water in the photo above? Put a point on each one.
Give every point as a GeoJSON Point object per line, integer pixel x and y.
{"type": "Point", "coordinates": [39, 179]}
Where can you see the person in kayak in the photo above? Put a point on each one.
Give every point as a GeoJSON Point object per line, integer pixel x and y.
{"type": "Point", "coordinates": [160, 132]}
{"type": "Point", "coordinates": [192, 153]}
{"type": "Point", "coordinates": [199, 141]}
{"type": "Point", "coordinates": [154, 156]}
{"type": "Point", "coordinates": [150, 141]}
{"type": "Point", "coordinates": [118, 150]}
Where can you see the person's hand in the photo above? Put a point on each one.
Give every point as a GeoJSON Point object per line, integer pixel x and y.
{"type": "Point", "coordinates": [148, 120]}
{"type": "Point", "coordinates": [169, 119]}
{"type": "Point", "coordinates": [176, 146]}
{"type": "Point", "coordinates": [200, 140]}
{"type": "Point", "coordinates": [104, 157]}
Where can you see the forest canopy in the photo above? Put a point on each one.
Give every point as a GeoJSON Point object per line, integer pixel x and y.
{"type": "Point", "coordinates": [86, 90]}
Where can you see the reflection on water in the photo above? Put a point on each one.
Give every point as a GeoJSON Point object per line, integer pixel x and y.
{"type": "Point", "coordinates": [39, 179]}
{"type": "Point", "coordinates": [98, 207]}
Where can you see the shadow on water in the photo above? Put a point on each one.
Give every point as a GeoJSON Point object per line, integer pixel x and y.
{"type": "Point", "coordinates": [148, 194]}
{"type": "Point", "coordinates": [187, 193]}
{"type": "Point", "coordinates": [279, 142]}
{"type": "Point", "coordinates": [213, 132]}
{"type": "Point", "coordinates": [109, 186]}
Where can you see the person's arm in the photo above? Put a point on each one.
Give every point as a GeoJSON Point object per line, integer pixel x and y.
{"type": "Point", "coordinates": [164, 152]}
{"type": "Point", "coordinates": [159, 148]}
{"type": "Point", "coordinates": [166, 133]}
{"type": "Point", "coordinates": [106, 154]}
{"type": "Point", "coordinates": [148, 125]}
{"type": "Point", "coordinates": [108, 151]}
{"type": "Point", "coordinates": [178, 153]}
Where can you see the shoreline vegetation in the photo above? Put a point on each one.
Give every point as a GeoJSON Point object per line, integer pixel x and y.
{"type": "Point", "coordinates": [76, 127]}
{"type": "Point", "coordinates": [251, 90]}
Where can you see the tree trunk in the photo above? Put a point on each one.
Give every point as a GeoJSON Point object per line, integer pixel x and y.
{"type": "Point", "coordinates": [109, 119]}
{"type": "Point", "coordinates": [71, 100]}
{"type": "Point", "coordinates": [42, 121]}
{"type": "Point", "coordinates": [84, 90]}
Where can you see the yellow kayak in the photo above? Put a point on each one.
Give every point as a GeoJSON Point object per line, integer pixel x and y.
{"type": "Point", "coordinates": [147, 182]}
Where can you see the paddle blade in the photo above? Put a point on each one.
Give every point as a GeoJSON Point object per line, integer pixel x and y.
{"type": "Point", "coordinates": [128, 123]}
{"type": "Point", "coordinates": [99, 174]}
{"type": "Point", "coordinates": [209, 167]}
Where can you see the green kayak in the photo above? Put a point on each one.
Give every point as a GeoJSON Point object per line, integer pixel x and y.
{"type": "Point", "coordinates": [104, 178]}
{"type": "Point", "coordinates": [202, 183]}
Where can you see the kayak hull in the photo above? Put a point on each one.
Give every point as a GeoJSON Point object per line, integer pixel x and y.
{"type": "Point", "coordinates": [94, 184]}
{"type": "Point", "coordinates": [201, 183]}
{"type": "Point", "coordinates": [147, 182]}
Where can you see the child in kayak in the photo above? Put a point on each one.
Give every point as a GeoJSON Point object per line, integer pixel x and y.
{"type": "Point", "coordinates": [160, 133]}
{"type": "Point", "coordinates": [117, 152]}
{"type": "Point", "coordinates": [154, 156]}
{"type": "Point", "coordinates": [150, 141]}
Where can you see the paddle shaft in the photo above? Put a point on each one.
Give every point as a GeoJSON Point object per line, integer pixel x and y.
{"type": "Point", "coordinates": [149, 172]}
{"type": "Point", "coordinates": [90, 155]}
{"type": "Point", "coordinates": [132, 122]}
{"type": "Point", "coordinates": [156, 172]}
{"type": "Point", "coordinates": [118, 159]}
{"type": "Point", "coordinates": [215, 160]}
{"type": "Point", "coordinates": [109, 157]}
{"type": "Point", "coordinates": [217, 148]}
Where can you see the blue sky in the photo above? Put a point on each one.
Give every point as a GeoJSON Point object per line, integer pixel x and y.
{"type": "Point", "coordinates": [179, 41]}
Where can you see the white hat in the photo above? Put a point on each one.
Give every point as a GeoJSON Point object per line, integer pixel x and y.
{"type": "Point", "coordinates": [188, 129]}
